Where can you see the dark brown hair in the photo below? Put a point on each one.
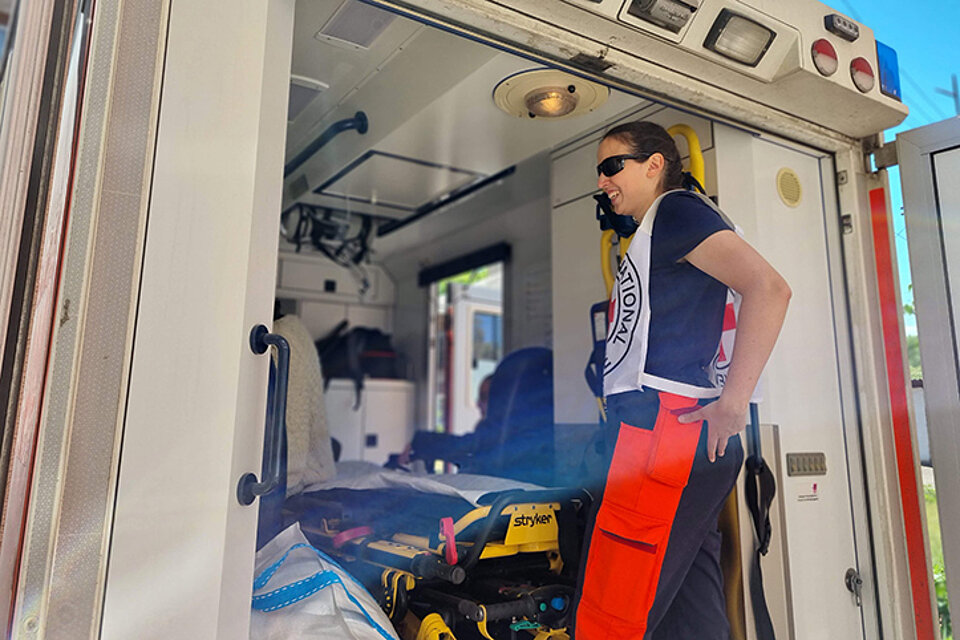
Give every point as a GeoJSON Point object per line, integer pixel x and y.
{"type": "Point", "coordinates": [647, 138]}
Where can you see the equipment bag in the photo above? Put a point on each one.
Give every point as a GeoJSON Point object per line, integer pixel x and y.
{"type": "Point", "coordinates": [300, 592]}
{"type": "Point", "coordinates": [354, 354]}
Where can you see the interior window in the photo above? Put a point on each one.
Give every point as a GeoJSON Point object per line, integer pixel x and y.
{"type": "Point", "coordinates": [467, 314]}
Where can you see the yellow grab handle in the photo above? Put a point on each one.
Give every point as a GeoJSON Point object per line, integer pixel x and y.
{"type": "Point", "coordinates": [606, 243]}
{"type": "Point", "coordinates": [693, 144]}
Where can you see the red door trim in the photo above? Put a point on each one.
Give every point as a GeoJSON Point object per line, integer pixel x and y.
{"type": "Point", "coordinates": [910, 495]}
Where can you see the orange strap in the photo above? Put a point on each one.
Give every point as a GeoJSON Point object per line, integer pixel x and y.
{"type": "Point", "coordinates": [647, 475]}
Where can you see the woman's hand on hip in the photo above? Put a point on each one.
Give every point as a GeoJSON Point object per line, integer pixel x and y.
{"type": "Point", "coordinates": [724, 419]}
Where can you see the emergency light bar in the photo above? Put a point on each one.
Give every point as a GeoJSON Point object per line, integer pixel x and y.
{"type": "Point", "coordinates": [889, 71]}
{"type": "Point", "coordinates": [800, 57]}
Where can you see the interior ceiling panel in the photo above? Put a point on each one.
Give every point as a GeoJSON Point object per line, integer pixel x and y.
{"type": "Point", "coordinates": [356, 24]}
{"type": "Point", "coordinates": [428, 95]}
{"type": "Point", "coordinates": [394, 181]}
{"type": "Point", "coordinates": [339, 66]}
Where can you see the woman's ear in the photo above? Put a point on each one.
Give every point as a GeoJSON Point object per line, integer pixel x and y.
{"type": "Point", "coordinates": [655, 165]}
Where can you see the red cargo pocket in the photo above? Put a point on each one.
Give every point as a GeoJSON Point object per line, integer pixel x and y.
{"type": "Point", "coordinates": [676, 443]}
{"type": "Point", "coordinates": [623, 567]}
{"type": "Point", "coordinates": [628, 466]}
{"type": "Point", "coordinates": [673, 457]}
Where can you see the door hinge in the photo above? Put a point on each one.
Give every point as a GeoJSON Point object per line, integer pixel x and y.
{"type": "Point", "coordinates": [877, 155]}
{"type": "Point", "coordinates": [885, 156]}
{"type": "Point", "coordinates": [854, 584]}
{"type": "Point", "coordinates": [846, 223]}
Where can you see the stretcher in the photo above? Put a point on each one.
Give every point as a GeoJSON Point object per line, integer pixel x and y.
{"type": "Point", "coordinates": [445, 568]}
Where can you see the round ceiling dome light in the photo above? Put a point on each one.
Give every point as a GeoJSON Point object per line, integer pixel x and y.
{"type": "Point", "coordinates": [549, 94]}
{"type": "Point", "coordinates": [552, 102]}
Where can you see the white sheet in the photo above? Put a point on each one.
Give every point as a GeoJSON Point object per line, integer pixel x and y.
{"type": "Point", "coordinates": [352, 474]}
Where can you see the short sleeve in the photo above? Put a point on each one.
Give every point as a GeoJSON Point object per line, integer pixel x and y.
{"type": "Point", "coordinates": [683, 221]}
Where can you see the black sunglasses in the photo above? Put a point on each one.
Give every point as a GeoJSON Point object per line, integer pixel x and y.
{"type": "Point", "coordinates": [614, 164]}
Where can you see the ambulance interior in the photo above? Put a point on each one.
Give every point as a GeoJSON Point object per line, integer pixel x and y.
{"type": "Point", "coordinates": [424, 199]}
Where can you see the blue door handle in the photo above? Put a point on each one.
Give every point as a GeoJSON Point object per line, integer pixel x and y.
{"type": "Point", "coordinates": [249, 488]}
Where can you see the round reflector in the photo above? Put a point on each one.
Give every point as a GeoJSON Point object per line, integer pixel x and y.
{"type": "Point", "coordinates": [825, 57]}
{"type": "Point", "coordinates": [862, 74]}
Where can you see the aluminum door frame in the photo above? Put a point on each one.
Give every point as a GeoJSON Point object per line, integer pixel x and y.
{"type": "Point", "coordinates": [936, 322]}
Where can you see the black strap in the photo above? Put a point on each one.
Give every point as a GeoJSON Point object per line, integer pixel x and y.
{"type": "Point", "coordinates": [760, 491]}
{"type": "Point", "coordinates": [594, 370]}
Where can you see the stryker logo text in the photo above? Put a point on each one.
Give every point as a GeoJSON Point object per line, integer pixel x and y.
{"type": "Point", "coordinates": [532, 521]}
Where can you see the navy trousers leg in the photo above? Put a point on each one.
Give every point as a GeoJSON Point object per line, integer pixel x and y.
{"type": "Point", "coordinates": [689, 601]}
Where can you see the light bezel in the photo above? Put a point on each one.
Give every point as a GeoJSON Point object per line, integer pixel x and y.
{"type": "Point", "coordinates": [721, 22]}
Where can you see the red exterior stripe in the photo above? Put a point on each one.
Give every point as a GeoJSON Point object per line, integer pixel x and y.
{"type": "Point", "coordinates": [896, 380]}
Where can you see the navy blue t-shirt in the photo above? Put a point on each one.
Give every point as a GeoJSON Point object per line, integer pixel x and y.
{"type": "Point", "coordinates": [686, 304]}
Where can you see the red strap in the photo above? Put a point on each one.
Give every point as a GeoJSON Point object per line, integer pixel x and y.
{"type": "Point", "coordinates": [450, 548]}
{"type": "Point", "coordinates": [344, 537]}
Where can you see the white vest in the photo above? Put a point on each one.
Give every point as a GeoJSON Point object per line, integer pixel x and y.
{"type": "Point", "coordinates": [624, 367]}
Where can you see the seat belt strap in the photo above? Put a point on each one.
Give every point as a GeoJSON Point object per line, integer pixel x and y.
{"type": "Point", "coordinates": [760, 491]}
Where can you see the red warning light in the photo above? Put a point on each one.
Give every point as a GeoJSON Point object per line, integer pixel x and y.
{"type": "Point", "coordinates": [862, 74]}
{"type": "Point", "coordinates": [825, 57]}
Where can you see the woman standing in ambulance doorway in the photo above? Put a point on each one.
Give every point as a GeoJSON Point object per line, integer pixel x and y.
{"type": "Point", "coordinates": [652, 571]}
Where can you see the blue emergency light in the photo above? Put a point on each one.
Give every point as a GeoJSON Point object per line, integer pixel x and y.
{"type": "Point", "coordinates": [889, 71]}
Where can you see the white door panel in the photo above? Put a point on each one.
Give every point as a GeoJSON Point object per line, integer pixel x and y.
{"type": "Point", "coordinates": [800, 387]}
{"type": "Point", "coordinates": [181, 552]}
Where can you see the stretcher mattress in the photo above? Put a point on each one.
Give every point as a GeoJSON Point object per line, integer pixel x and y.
{"type": "Point", "coordinates": [365, 475]}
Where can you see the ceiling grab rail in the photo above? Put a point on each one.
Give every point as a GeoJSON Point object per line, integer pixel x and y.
{"type": "Point", "coordinates": [358, 122]}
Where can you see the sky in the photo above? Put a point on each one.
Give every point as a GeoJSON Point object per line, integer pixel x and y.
{"type": "Point", "coordinates": [924, 34]}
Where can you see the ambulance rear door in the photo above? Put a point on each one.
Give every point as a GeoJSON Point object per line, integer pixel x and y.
{"type": "Point", "coordinates": [929, 159]}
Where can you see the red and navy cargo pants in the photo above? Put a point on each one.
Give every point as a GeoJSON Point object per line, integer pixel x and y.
{"type": "Point", "coordinates": [653, 561]}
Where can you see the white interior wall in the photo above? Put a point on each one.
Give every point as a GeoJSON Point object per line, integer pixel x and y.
{"type": "Point", "coordinates": [306, 276]}
{"type": "Point", "coordinates": [516, 211]}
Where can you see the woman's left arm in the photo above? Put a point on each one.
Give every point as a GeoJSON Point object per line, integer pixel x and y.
{"type": "Point", "coordinates": [731, 260]}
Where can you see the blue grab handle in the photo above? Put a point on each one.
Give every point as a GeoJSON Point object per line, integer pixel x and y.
{"type": "Point", "coordinates": [249, 488]}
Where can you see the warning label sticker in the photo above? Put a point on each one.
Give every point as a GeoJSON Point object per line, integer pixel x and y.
{"type": "Point", "coordinates": [809, 492]}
